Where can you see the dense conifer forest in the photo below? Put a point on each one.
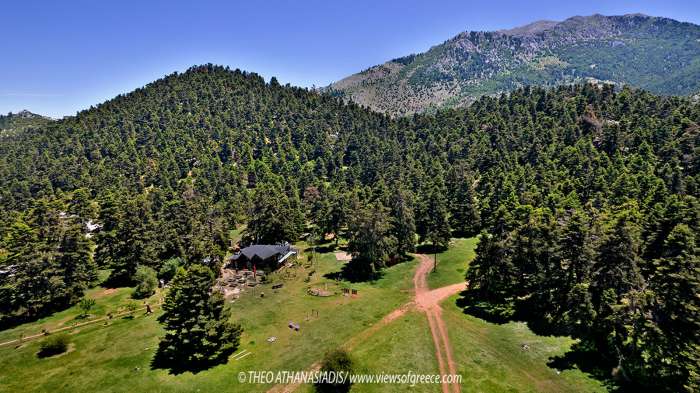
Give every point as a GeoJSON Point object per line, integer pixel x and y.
{"type": "Point", "coordinates": [585, 198]}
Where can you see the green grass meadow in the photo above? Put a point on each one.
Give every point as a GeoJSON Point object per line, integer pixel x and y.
{"type": "Point", "coordinates": [452, 263]}
{"type": "Point", "coordinates": [115, 356]}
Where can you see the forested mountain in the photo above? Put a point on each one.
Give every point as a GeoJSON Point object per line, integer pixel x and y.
{"type": "Point", "coordinates": [658, 54]}
{"type": "Point", "coordinates": [13, 122]}
{"type": "Point", "coordinates": [587, 197]}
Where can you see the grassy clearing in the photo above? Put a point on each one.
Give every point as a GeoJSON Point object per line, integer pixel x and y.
{"type": "Point", "coordinates": [452, 263]}
{"type": "Point", "coordinates": [117, 358]}
{"type": "Point", "coordinates": [112, 301]}
{"type": "Point", "coordinates": [491, 357]}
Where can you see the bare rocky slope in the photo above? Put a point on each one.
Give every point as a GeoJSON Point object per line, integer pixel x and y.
{"type": "Point", "coordinates": [658, 54]}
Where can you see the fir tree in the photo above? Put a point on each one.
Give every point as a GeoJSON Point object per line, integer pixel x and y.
{"type": "Point", "coordinates": [674, 333]}
{"type": "Point", "coordinates": [198, 330]}
{"type": "Point", "coordinates": [403, 223]}
{"type": "Point", "coordinates": [465, 218]}
{"type": "Point", "coordinates": [370, 242]}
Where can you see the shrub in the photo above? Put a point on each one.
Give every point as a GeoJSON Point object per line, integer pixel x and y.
{"type": "Point", "coordinates": [85, 306]}
{"type": "Point", "coordinates": [53, 345]}
{"type": "Point", "coordinates": [146, 282]}
{"type": "Point", "coordinates": [131, 306]}
{"type": "Point", "coordinates": [169, 268]}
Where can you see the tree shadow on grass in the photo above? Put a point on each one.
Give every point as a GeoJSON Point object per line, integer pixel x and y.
{"type": "Point", "coordinates": [355, 273]}
{"type": "Point", "coordinates": [585, 358]}
{"type": "Point", "coordinates": [326, 248]}
{"type": "Point", "coordinates": [115, 281]}
{"type": "Point", "coordinates": [178, 363]}
{"type": "Point", "coordinates": [498, 314]}
{"type": "Point", "coordinates": [580, 356]}
{"type": "Point", "coordinates": [427, 248]}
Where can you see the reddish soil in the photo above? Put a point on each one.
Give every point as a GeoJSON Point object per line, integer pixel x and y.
{"type": "Point", "coordinates": [343, 256]}
{"type": "Point", "coordinates": [429, 302]}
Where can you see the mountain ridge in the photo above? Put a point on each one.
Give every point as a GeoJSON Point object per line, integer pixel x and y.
{"type": "Point", "coordinates": [22, 120]}
{"type": "Point", "coordinates": [658, 54]}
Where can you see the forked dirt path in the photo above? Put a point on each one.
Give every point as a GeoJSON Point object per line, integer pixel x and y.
{"type": "Point", "coordinates": [425, 300]}
{"type": "Point", "coordinates": [429, 302]}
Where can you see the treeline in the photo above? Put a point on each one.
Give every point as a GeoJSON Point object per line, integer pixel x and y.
{"type": "Point", "coordinates": [626, 284]}
{"type": "Point", "coordinates": [46, 257]}
{"type": "Point", "coordinates": [585, 193]}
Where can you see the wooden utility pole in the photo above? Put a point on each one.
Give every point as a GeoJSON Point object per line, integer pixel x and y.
{"type": "Point", "coordinates": [434, 258]}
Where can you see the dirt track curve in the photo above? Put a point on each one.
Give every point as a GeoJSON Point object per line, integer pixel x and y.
{"type": "Point", "coordinates": [425, 300]}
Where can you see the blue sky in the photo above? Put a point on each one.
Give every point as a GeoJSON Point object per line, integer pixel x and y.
{"type": "Point", "coordinates": [62, 56]}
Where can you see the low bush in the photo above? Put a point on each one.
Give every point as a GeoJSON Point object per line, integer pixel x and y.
{"type": "Point", "coordinates": [53, 345]}
{"type": "Point", "coordinates": [146, 282]}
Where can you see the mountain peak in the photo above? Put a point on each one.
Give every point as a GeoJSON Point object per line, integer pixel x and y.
{"type": "Point", "coordinates": [653, 53]}
{"type": "Point", "coordinates": [27, 114]}
{"type": "Point", "coordinates": [21, 120]}
{"type": "Point", "coordinates": [22, 114]}
{"type": "Point", "coordinates": [530, 28]}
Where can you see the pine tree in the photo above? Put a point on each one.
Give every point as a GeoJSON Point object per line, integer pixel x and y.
{"type": "Point", "coordinates": [403, 223]}
{"type": "Point", "coordinates": [576, 249]}
{"type": "Point", "coordinates": [274, 216]}
{"type": "Point", "coordinates": [370, 242]}
{"type": "Point", "coordinates": [198, 330]}
{"type": "Point", "coordinates": [675, 333]}
{"type": "Point", "coordinates": [434, 224]}
{"type": "Point", "coordinates": [76, 263]}
{"type": "Point", "coordinates": [135, 243]}
{"type": "Point", "coordinates": [579, 312]}
{"type": "Point", "coordinates": [617, 261]}
{"type": "Point", "coordinates": [615, 282]}
{"type": "Point", "coordinates": [335, 214]}
{"type": "Point", "coordinates": [81, 204]}
{"type": "Point", "coordinates": [465, 218]}
{"type": "Point", "coordinates": [336, 361]}
{"type": "Point", "coordinates": [538, 259]}
{"type": "Point", "coordinates": [492, 278]}
{"type": "Point", "coordinates": [106, 238]}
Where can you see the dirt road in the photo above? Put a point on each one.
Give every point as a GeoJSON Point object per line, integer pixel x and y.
{"type": "Point", "coordinates": [429, 302]}
{"type": "Point", "coordinates": [425, 300]}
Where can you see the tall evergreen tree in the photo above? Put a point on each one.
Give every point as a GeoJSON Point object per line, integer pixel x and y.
{"type": "Point", "coordinates": [616, 282]}
{"type": "Point", "coordinates": [491, 279]}
{"type": "Point", "coordinates": [674, 333]}
{"type": "Point", "coordinates": [76, 262]}
{"type": "Point", "coordinates": [274, 217]}
{"type": "Point", "coordinates": [370, 241]}
{"type": "Point", "coordinates": [465, 218]}
{"type": "Point", "coordinates": [198, 330]}
{"type": "Point", "coordinates": [135, 243]}
{"type": "Point", "coordinates": [434, 223]}
{"type": "Point", "coordinates": [403, 223]}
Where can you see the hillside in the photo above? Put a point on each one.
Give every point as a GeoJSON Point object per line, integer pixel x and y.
{"type": "Point", "coordinates": [658, 54]}
{"type": "Point", "coordinates": [13, 122]}
{"type": "Point", "coordinates": [583, 195]}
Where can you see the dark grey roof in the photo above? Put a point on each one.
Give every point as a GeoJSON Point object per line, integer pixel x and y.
{"type": "Point", "coordinates": [263, 251]}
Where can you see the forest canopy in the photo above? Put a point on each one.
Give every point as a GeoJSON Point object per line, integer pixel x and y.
{"type": "Point", "coordinates": [585, 195]}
